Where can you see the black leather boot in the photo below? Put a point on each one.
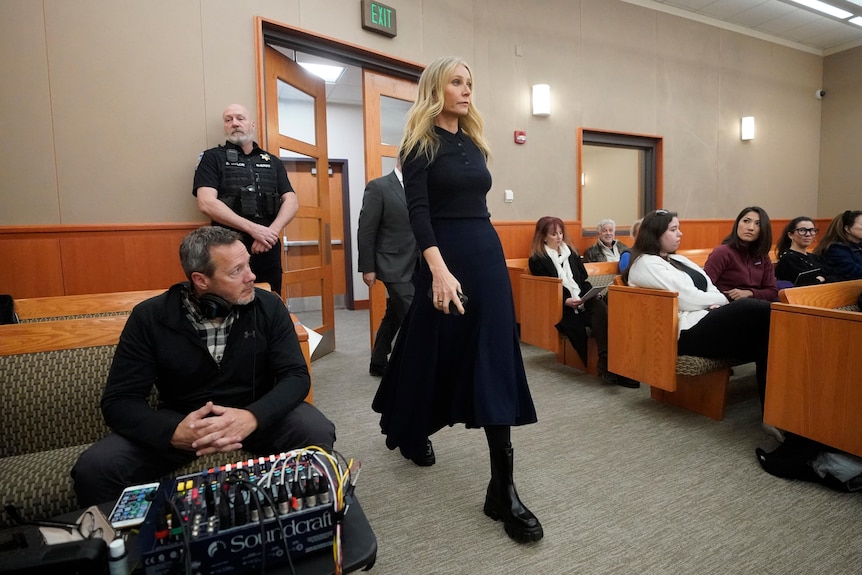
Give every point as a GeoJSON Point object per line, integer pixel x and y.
{"type": "Point", "coordinates": [502, 502]}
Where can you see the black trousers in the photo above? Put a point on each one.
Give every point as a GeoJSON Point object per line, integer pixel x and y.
{"type": "Point", "coordinates": [574, 326]}
{"type": "Point", "coordinates": [739, 329]}
{"type": "Point", "coordinates": [400, 298]}
{"type": "Point", "coordinates": [114, 462]}
{"type": "Point", "coordinates": [266, 267]}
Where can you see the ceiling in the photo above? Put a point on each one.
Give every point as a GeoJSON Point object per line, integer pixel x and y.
{"type": "Point", "coordinates": [781, 21]}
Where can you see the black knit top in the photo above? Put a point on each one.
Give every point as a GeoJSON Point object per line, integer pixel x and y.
{"type": "Point", "coordinates": [453, 186]}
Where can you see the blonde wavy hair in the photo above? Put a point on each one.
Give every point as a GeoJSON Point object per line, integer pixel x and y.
{"type": "Point", "coordinates": [419, 129]}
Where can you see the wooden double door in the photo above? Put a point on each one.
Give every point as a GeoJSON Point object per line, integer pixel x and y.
{"type": "Point", "coordinates": [314, 241]}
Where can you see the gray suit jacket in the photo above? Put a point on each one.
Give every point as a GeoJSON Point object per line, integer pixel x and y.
{"type": "Point", "coordinates": [385, 238]}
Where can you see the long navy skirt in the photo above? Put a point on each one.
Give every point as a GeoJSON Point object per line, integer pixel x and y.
{"type": "Point", "coordinates": [448, 369]}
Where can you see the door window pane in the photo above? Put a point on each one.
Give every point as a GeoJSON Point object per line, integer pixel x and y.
{"type": "Point", "coordinates": [295, 113]}
{"type": "Point", "coordinates": [611, 185]}
{"type": "Point", "coordinates": [393, 114]}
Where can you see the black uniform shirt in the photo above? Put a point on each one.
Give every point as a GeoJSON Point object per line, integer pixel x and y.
{"type": "Point", "coordinates": [228, 170]}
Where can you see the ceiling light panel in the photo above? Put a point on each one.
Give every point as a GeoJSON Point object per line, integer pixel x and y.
{"type": "Point", "coordinates": [829, 9]}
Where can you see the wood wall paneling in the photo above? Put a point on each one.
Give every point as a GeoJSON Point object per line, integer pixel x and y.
{"type": "Point", "coordinates": [41, 261]}
{"type": "Point", "coordinates": [121, 261]}
{"type": "Point", "coordinates": [31, 266]}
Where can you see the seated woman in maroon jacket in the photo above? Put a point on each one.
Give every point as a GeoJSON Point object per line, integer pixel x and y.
{"type": "Point", "coordinates": [553, 255]}
{"type": "Point", "coordinates": [740, 267]}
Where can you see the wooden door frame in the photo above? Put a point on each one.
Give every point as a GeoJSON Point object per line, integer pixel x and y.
{"type": "Point", "coordinates": [345, 222]}
{"type": "Point", "coordinates": [267, 30]}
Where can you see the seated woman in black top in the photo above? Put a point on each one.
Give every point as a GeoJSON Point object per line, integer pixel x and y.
{"type": "Point", "coordinates": [553, 255]}
{"type": "Point", "coordinates": [795, 264]}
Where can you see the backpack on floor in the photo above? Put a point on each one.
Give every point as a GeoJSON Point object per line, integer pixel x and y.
{"type": "Point", "coordinates": [793, 459]}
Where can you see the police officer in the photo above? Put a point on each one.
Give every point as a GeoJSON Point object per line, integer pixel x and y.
{"type": "Point", "coordinates": [241, 186]}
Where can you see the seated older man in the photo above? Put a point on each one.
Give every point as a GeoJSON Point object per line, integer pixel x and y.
{"type": "Point", "coordinates": [607, 249]}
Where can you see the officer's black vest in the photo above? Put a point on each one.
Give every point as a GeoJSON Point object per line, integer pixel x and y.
{"type": "Point", "coordinates": [249, 186]}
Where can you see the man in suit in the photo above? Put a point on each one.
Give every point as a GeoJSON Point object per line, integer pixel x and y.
{"type": "Point", "coordinates": [387, 252]}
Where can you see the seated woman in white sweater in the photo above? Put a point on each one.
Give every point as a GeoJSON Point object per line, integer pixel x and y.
{"type": "Point", "coordinates": [709, 325]}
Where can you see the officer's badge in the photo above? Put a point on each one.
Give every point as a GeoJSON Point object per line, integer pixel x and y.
{"type": "Point", "coordinates": [264, 157]}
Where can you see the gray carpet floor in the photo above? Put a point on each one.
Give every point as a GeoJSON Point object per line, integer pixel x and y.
{"type": "Point", "coordinates": [621, 483]}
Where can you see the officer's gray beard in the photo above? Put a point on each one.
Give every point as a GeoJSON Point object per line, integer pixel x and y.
{"type": "Point", "coordinates": [239, 139]}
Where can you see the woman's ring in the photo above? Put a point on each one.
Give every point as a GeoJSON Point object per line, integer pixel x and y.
{"type": "Point", "coordinates": [440, 301]}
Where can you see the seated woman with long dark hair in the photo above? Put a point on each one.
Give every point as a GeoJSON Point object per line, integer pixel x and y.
{"type": "Point", "coordinates": [553, 255]}
{"type": "Point", "coordinates": [841, 246]}
{"type": "Point", "coordinates": [740, 267]}
{"type": "Point", "coordinates": [795, 263]}
{"type": "Point", "coordinates": [709, 325]}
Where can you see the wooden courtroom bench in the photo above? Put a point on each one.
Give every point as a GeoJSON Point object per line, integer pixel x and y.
{"type": "Point", "coordinates": [698, 255]}
{"type": "Point", "coordinates": [642, 345]}
{"type": "Point", "coordinates": [53, 308]}
{"type": "Point", "coordinates": [516, 267]}
{"type": "Point", "coordinates": [85, 305]}
{"type": "Point", "coordinates": [812, 385]}
{"type": "Point", "coordinates": [78, 306]}
{"type": "Point", "coordinates": [53, 374]}
{"type": "Point", "coordinates": [541, 307]}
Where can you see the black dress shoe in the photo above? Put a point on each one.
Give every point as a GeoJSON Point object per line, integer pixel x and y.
{"type": "Point", "coordinates": [608, 377]}
{"type": "Point", "coordinates": [626, 382]}
{"type": "Point", "coordinates": [427, 459]}
{"type": "Point", "coordinates": [376, 370]}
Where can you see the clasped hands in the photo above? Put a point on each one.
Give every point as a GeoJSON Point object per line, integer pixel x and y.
{"type": "Point", "coordinates": [264, 239]}
{"type": "Point", "coordinates": [214, 429]}
{"type": "Point", "coordinates": [576, 304]}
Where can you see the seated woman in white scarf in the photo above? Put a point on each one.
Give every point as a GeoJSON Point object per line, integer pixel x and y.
{"type": "Point", "coordinates": [553, 255]}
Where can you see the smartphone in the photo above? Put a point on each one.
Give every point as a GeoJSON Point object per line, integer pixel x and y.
{"type": "Point", "coordinates": [132, 506]}
{"type": "Point", "coordinates": [453, 309]}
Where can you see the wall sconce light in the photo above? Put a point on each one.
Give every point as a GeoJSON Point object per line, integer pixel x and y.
{"type": "Point", "coordinates": [541, 100]}
{"type": "Point", "coordinates": [746, 128]}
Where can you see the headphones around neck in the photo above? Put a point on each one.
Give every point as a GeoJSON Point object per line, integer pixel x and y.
{"type": "Point", "coordinates": [211, 306]}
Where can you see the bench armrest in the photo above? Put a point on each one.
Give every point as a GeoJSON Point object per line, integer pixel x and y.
{"type": "Point", "coordinates": [541, 309]}
{"type": "Point", "coordinates": [642, 335]}
{"type": "Point", "coordinates": [831, 295]}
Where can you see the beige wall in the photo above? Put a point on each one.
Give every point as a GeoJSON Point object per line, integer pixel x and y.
{"type": "Point", "coordinates": [841, 160]}
{"type": "Point", "coordinates": [107, 103]}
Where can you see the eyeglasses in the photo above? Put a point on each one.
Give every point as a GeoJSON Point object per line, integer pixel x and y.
{"type": "Point", "coordinates": [806, 231]}
{"type": "Point", "coordinates": [662, 212]}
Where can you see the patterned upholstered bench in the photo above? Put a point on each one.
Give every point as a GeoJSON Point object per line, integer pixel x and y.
{"type": "Point", "coordinates": [52, 376]}
{"type": "Point", "coordinates": [642, 345]}
{"type": "Point", "coordinates": [54, 308]}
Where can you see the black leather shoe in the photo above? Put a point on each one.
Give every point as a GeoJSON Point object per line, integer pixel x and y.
{"type": "Point", "coordinates": [428, 458]}
{"type": "Point", "coordinates": [376, 370]}
{"type": "Point", "coordinates": [608, 377]}
{"type": "Point", "coordinates": [626, 382]}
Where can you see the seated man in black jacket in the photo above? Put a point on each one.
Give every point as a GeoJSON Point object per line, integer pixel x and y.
{"type": "Point", "coordinates": [228, 368]}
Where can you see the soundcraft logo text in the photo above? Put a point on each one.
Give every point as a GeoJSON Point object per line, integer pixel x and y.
{"type": "Point", "coordinates": [241, 542]}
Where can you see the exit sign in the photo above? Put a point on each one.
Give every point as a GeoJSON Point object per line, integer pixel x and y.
{"type": "Point", "coordinates": [379, 18]}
